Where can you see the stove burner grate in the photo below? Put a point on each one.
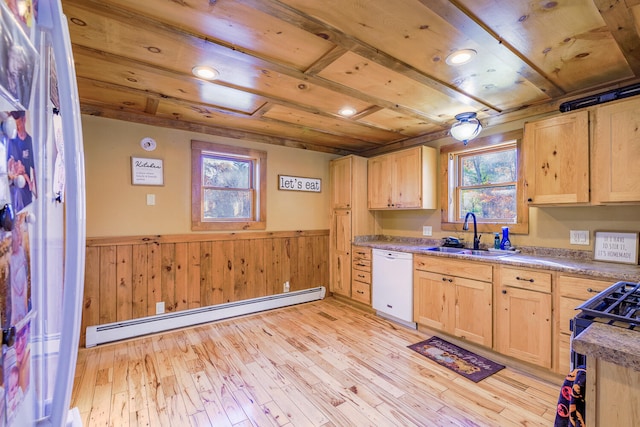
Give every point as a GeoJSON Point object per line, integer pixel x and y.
{"type": "Point", "coordinates": [621, 301]}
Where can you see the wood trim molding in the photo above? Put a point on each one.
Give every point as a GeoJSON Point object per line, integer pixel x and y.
{"type": "Point", "coordinates": [190, 238]}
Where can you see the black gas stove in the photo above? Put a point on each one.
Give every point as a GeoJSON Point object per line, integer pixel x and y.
{"type": "Point", "coordinates": [618, 305]}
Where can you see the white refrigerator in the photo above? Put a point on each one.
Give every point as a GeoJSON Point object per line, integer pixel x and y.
{"type": "Point", "coordinates": [42, 215]}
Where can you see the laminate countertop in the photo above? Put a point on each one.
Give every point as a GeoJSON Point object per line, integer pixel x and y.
{"type": "Point", "coordinates": [610, 343]}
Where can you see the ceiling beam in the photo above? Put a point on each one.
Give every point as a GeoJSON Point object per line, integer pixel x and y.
{"type": "Point", "coordinates": [621, 23]}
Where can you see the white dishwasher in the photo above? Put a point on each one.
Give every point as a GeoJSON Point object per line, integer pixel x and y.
{"type": "Point", "coordinates": [392, 286]}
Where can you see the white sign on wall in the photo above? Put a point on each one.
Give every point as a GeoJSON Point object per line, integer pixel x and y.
{"type": "Point", "coordinates": [297, 183]}
{"type": "Point", "coordinates": [146, 171]}
{"type": "Point", "coordinates": [616, 247]}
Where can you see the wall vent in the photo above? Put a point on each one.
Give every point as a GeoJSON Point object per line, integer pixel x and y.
{"type": "Point", "coordinates": [601, 98]}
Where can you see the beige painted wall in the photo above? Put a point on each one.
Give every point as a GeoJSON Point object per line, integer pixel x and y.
{"type": "Point", "coordinates": [548, 227]}
{"type": "Point", "coordinates": [115, 207]}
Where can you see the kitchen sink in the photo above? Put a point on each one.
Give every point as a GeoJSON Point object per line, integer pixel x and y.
{"type": "Point", "coordinates": [473, 252]}
{"type": "Point", "coordinates": [447, 249]}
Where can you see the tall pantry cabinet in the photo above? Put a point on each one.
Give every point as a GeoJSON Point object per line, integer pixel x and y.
{"type": "Point", "coordinates": [349, 218]}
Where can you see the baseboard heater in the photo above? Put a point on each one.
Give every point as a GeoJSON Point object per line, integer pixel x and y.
{"type": "Point", "coordinates": [116, 331]}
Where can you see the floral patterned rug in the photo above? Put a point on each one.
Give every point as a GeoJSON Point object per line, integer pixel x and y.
{"type": "Point", "coordinates": [468, 364]}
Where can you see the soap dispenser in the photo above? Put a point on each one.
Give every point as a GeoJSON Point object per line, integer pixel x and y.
{"type": "Point", "coordinates": [496, 241]}
{"type": "Point", "coordinates": [505, 243]}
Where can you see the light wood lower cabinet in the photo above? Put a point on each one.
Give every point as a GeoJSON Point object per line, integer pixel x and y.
{"type": "Point", "coordinates": [612, 394]}
{"type": "Point", "coordinates": [361, 274]}
{"type": "Point", "coordinates": [523, 315]}
{"type": "Point", "coordinates": [340, 252]}
{"type": "Point", "coordinates": [448, 297]}
{"type": "Point", "coordinates": [571, 291]}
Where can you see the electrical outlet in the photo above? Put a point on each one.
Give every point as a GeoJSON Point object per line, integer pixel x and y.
{"type": "Point", "coordinates": [160, 307]}
{"type": "Point", "coordinates": [579, 237]}
{"type": "Point", "coordinates": [427, 230]}
{"type": "Point", "coordinates": [286, 286]}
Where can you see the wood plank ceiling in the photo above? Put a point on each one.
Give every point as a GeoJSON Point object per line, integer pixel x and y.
{"type": "Point", "coordinates": [286, 67]}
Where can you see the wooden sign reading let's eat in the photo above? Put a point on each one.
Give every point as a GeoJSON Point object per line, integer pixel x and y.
{"type": "Point", "coordinates": [297, 183]}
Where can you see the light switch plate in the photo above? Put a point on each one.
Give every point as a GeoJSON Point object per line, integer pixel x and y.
{"type": "Point", "coordinates": [151, 199]}
{"type": "Point", "coordinates": [579, 237]}
{"type": "Point", "coordinates": [160, 307]}
{"type": "Point", "coordinates": [427, 230]}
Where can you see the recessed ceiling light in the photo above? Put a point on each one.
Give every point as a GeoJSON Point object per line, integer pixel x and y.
{"type": "Point", "coordinates": [347, 111]}
{"type": "Point", "coordinates": [460, 57]}
{"type": "Point", "coordinates": [205, 72]}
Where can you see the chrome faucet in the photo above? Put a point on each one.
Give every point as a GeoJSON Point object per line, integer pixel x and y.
{"type": "Point", "coordinates": [465, 227]}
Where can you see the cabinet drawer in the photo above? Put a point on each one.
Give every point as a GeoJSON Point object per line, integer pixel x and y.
{"type": "Point", "coordinates": [580, 288]}
{"type": "Point", "coordinates": [526, 279]}
{"type": "Point", "coordinates": [452, 267]}
{"type": "Point", "coordinates": [361, 276]}
{"type": "Point", "coordinates": [361, 264]}
{"type": "Point", "coordinates": [361, 292]}
{"type": "Point", "coordinates": [362, 252]}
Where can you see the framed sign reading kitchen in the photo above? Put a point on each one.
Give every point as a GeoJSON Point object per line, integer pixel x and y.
{"type": "Point", "coordinates": [146, 171]}
{"type": "Point", "coordinates": [616, 246]}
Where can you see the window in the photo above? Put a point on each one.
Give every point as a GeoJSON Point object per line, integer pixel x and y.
{"type": "Point", "coordinates": [485, 178]}
{"type": "Point", "coordinates": [228, 187]}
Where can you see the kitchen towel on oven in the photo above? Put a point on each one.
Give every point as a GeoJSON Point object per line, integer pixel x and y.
{"type": "Point", "coordinates": [570, 410]}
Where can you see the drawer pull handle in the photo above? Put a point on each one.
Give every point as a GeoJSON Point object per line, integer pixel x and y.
{"type": "Point", "coordinates": [523, 279]}
{"type": "Point", "coordinates": [390, 306]}
{"type": "Point", "coordinates": [444, 279]}
{"type": "Point", "coordinates": [595, 291]}
{"type": "Point", "coordinates": [361, 276]}
{"type": "Point", "coordinates": [360, 292]}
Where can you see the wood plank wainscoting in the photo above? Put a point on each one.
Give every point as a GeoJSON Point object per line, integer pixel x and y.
{"type": "Point", "coordinates": [126, 276]}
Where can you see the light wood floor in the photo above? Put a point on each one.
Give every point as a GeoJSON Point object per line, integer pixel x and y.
{"type": "Point", "coordinates": [317, 364]}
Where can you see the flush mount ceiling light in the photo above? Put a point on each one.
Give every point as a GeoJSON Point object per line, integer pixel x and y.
{"type": "Point", "coordinates": [460, 57]}
{"type": "Point", "coordinates": [205, 72]}
{"type": "Point", "coordinates": [466, 128]}
{"type": "Point", "coordinates": [347, 111]}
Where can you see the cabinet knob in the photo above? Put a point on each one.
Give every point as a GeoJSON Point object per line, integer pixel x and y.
{"type": "Point", "coordinates": [529, 200]}
{"type": "Point", "coordinates": [504, 291]}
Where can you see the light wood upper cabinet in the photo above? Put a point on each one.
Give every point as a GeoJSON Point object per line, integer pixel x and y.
{"type": "Point", "coordinates": [403, 180]}
{"type": "Point", "coordinates": [455, 297]}
{"type": "Point", "coordinates": [340, 173]}
{"type": "Point", "coordinates": [616, 153]}
{"type": "Point", "coordinates": [556, 153]}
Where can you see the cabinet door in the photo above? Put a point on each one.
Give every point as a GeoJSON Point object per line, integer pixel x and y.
{"type": "Point", "coordinates": [524, 325]}
{"type": "Point", "coordinates": [473, 311]}
{"type": "Point", "coordinates": [407, 191]}
{"type": "Point", "coordinates": [556, 153]}
{"type": "Point", "coordinates": [431, 303]}
{"type": "Point", "coordinates": [616, 153]}
{"type": "Point", "coordinates": [340, 240]}
{"type": "Point", "coordinates": [340, 174]}
{"type": "Point", "coordinates": [380, 182]}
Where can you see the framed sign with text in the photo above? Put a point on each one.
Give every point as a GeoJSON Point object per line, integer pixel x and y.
{"type": "Point", "coordinates": [146, 171]}
{"type": "Point", "coordinates": [298, 183]}
{"type": "Point", "coordinates": [616, 246]}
